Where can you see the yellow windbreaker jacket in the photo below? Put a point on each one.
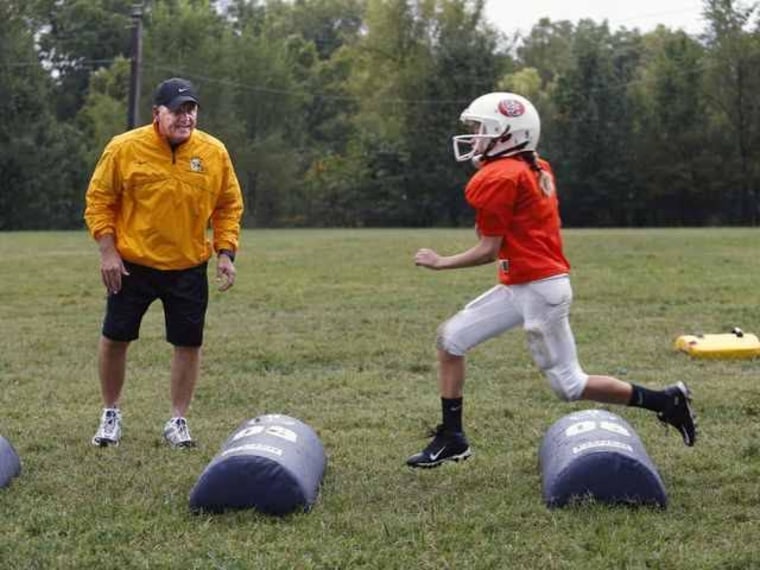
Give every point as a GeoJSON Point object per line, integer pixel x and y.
{"type": "Point", "coordinates": [159, 202]}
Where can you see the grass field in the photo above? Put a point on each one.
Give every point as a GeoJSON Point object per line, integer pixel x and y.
{"type": "Point", "coordinates": [336, 328]}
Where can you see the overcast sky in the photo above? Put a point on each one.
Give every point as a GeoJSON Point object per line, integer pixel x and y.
{"type": "Point", "coordinates": [510, 16]}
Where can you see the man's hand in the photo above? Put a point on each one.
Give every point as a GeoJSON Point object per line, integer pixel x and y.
{"type": "Point", "coordinates": [427, 258]}
{"type": "Point", "coordinates": [111, 265]}
{"type": "Point", "coordinates": [225, 272]}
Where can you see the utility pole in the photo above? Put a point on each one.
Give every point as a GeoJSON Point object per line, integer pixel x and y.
{"type": "Point", "coordinates": [133, 113]}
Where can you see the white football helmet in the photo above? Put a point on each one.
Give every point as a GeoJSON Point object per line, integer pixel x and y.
{"type": "Point", "coordinates": [501, 124]}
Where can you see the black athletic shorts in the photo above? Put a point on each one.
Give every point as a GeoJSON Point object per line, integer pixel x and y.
{"type": "Point", "coordinates": [183, 293]}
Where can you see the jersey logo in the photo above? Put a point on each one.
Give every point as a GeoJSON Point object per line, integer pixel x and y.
{"type": "Point", "coordinates": [196, 164]}
{"type": "Point", "coordinates": [511, 108]}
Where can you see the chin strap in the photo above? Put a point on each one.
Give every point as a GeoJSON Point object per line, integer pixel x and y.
{"type": "Point", "coordinates": [503, 137]}
{"type": "Point", "coordinates": [506, 152]}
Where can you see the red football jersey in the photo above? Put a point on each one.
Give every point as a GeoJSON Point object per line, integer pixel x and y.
{"type": "Point", "coordinates": [509, 202]}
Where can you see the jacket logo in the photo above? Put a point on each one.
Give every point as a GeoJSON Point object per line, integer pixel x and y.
{"type": "Point", "coordinates": [196, 164]}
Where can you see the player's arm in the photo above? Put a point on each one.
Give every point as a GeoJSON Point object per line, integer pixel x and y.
{"type": "Point", "coordinates": [485, 251]}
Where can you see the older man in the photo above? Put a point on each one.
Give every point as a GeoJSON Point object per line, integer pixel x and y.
{"type": "Point", "coordinates": [153, 194]}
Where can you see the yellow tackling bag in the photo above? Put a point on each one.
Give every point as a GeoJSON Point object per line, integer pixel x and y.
{"type": "Point", "coordinates": [736, 344]}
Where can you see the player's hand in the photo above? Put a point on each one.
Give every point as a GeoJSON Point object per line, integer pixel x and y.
{"type": "Point", "coordinates": [427, 258]}
{"type": "Point", "coordinates": [225, 272]}
{"type": "Point", "coordinates": [111, 270]}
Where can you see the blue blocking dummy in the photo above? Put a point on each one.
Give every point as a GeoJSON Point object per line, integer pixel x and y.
{"type": "Point", "coordinates": [596, 454]}
{"type": "Point", "coordinates": [10, 465]}
{"type": "Point", "coordinates": [272, 463]}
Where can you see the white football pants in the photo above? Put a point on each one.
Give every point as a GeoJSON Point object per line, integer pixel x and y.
{"type": "Point", "coordinates": [542, 308]}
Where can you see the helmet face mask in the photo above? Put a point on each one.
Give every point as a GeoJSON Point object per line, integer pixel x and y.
{"type": "Point", "coordinates": [500, 124]}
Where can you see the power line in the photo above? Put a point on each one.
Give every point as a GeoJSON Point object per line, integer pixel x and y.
{"type": "Point", "coordinates": [682, 72]}
{"type": "Point", "coordinates": [39, 63]}
{"type": "Point", "coordinates": [300, 93]}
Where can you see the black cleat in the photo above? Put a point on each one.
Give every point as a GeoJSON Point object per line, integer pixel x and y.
{"type": "Point", "coordinates": [679, 414]}
{"type": "Point", "coordinates": [446, 446]}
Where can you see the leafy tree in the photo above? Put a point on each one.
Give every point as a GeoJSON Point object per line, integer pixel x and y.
{"type": "Point", "coordinates": [324, 27]}
{"type": "Point", "coordinates": [466, 63]}
{"type": "Point", "coordinates": [77, 37]}
{"type": "Point", "coordinates": [240, 77]}
{"type": "Point", "coordinates": [593, 125]}
{"type": "Point", "coordinates": [311, 115]}
{"type": "Point", "coordinates": [341, 112]}
{"type": "Point", "coordinates": [543, 57]}
{"type": "Point", "coordinates": [41, 169]}
{"type": "Point", "coordinates": [548, 49]}
{"type": "Point", "coordinates": [671, 138]}
{"type": "Point", "coordinates": [415, 68]}
{"type": "Point", "coordinates": [732, 87]}
{"type": "Point", "coordinates": [103, 114]}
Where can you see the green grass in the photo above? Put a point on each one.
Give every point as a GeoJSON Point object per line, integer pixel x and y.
{"type": "Point", "coordinates": [336, 328]}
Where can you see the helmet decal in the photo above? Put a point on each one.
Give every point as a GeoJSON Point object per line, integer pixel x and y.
{"type": "Point", "coordinates": [511, 108]}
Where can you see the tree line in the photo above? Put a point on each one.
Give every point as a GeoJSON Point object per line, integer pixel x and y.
{"type": "Point", "coordinates": [341, 112]}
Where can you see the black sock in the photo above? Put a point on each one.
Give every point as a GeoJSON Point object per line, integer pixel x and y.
{"type": "Point", "coordinates": [452, 414]}
{"type": "Point", "coordinates": [655, 400]}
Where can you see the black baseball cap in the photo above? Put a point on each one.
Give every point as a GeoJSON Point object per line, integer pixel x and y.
{"type": "Point", "coordinates": [173, 92]}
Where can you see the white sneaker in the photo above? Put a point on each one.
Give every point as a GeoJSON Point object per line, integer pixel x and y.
{"type": "Point", "coordinates": [109, 432]}
{"type": "Point", "coordinates": [177, 434]}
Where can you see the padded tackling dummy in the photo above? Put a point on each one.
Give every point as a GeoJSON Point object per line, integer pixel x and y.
{"type": "Point", "coordinates": [10, 465]}
{"type": "Point", "coordinates": [273, 463]}
{"type": "Point", "coordinates": [596, 454]}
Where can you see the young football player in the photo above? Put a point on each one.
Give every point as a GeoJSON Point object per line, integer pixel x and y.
{"type": "Point", "coordinates": [517, 220]}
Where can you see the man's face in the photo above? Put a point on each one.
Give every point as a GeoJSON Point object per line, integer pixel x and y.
{"type": "Point", "coordinates": [177, 125]}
